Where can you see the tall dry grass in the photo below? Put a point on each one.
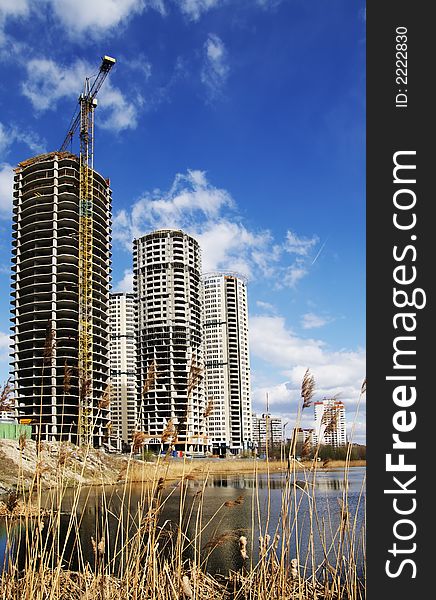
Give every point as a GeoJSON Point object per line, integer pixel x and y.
{"type": "Point", "coordinates": [50, 556]}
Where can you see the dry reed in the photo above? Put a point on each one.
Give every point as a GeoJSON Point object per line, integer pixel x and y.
{"type": "Point", "coordinates": [149, 557]}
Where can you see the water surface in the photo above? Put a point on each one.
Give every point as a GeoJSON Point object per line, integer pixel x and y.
{"type": "Point", "coordinates": [224, 507]}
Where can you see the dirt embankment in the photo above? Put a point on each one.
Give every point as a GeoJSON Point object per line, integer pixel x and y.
{"type": "Point", "coordinates": [55, 463]}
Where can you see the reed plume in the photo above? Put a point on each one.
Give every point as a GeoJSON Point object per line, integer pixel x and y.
{"type": "Point", "coordinates": [138, 441]}
{"type": "Point", "coordinates": [169, 432]}
{"type": "Point", "coordinates": [330, 419]}
{"type": "Point", "coordinates": [227, 536]}
{"type": "Point", "coordinates": [105, 400]}
{"type": "Point", "coordinates": [85, 386]}
{"type": "Point", "coordinates": [209, 408]}
{"type": "Point", "coordinates": [22, 441]}
{"type": "Point", "coordinates": [50, 344]}
{"type": "Point", "coordinates": [67, 378]}
{"type": "Point", "coordinates": [150, 382]}
{"type": "Point", "coordinates": [6, 402]}
{"type": "Point", "coordinates": [307, 389]}
{"type": "Point", "coordinates": [195, 376]}
{"type": "Point", "coordinates": [306, 448]}
{"type": "Point", "coordinates": [243, 546]}
{"type": "Point", "coordinates": [186, 587]}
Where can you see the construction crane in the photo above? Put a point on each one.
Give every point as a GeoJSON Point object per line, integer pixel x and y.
{"type": "Point", "coordinates": [84, 116]}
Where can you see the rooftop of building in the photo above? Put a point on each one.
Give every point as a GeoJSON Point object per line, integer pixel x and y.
{"type": "Point", "coordinates": [168, 231]}
{"type": "Point", "coordinates": [46, 156]}
{"type": "Point", "coordinates": [331, 401]}
{"type": "Point", "coordinates": [229, 274]}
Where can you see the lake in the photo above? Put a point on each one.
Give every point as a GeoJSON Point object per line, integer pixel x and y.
{"type": "Point", "coordinates": [214, 512]}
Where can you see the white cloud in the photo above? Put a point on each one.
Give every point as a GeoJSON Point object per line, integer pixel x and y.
{"type": "Point", "coordinates": [48, 82]}
{"type": "Point", "coordinates": [6, 183]}
{"type": "Point", "coordinates": [294, 274]}
{"type": "Point", "coordinates": [189, 199]}
{"type": "Point", "coordinates": [266, 306]}
{"type": "Point", "coordinates": [5, 341]}
{"type": "Point", "coordinates": [4, 139]}
{"type": "Point", "coordinates": [312, 321]}
{"type": "Point", "coordinates": [98, 16]}
{"type": "Point", "coordinates": [284, 400]}
{"type": "Point", "coordinates": [230, 246]}
{"type": "Point", "coordinates": [215, 68]}
{"type": "Point", "coordinates": [126, 283]}
{"type": "Point", "coordinates": [139, 63]}
{"type": "Point", "coordinates": [195, 8]}
{"type": "Point", "coordinates": [119, 113]}
{"type": "Point", "coordinates": [12, 134]}
{"type": "Point", "coordinates": [299, 245]}
{"type": "Point", "coordinates": [11, 9]}
{"type": "Point", "coordinates": [335, 371]}
{"type": "Point", "coordinates": [210, 215]}
{"type": "Point", "coordinates": [273, 343]}
{"type": "Point", "coordinates": [206, 212]}
{"type": "Point", "coordinates": [14, 8]}
{"type": "Point", "coordinates": [79, 17]}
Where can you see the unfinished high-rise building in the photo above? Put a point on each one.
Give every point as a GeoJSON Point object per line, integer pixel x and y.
{"type": "Point", "coordinates": [51, 269]}
{"type": "Point", "coordinates": [227, 364]}
{"type": "Point", "coordinates": [166, 267]}
{"type": "Point", "coordinates": [123, 409]}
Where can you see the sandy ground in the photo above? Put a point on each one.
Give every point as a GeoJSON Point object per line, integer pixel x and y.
{"type": "Point", "coordinates": [55, 462]}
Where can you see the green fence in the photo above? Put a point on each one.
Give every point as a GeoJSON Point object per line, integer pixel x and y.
{"type": "Point", "coordinates": [12, 431]}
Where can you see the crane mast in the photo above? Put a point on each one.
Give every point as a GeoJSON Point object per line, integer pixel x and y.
{"type": "Point", "coordinates": [84, 116]}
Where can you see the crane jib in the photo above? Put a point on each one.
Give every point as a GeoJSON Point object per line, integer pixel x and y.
{"type": "Point", "coordinates": [106, 65]}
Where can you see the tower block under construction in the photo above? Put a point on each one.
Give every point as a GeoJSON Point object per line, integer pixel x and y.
{"type": "Point", "coordinates": [48, 263]}
{"type": "Point", "coordinates": [167, 285]}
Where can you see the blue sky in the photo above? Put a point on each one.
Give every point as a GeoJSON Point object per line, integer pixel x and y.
{"type": "Point", "coordinates": [241, 122]}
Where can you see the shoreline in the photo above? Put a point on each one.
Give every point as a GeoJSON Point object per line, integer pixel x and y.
{"type": "Point", "coordinates": [65, 465]}
{"type": "Point", "coordinates": [198, 468]}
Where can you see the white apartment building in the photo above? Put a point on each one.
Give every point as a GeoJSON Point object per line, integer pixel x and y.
{"type": "Point", "coordinates": [123, 406]}
{"type": "Point", "coordinates": [267, 430]}
{"type": "Point", "coordinates": [330, 424]}
{"type": "Point", "coordinates": [170, 370]}
{"type": "Point", "coordinates": [227, 365]}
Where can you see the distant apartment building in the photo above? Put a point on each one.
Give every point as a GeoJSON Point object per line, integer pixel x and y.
{"type": "Point", "coordinates": [170, 370]}
{"type": "Point", "coordinates": [227, 365]}
{"type": "Point", "coordinates": [330, 424]}
{"type": "Point", "coordinates": [123, 406]}
{"type": "Point", "coordinates": [267, 431]}
{"type": "Point", "coordinates": [302, 438]}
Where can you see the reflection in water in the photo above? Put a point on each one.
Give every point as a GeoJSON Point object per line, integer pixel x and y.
{"type": "Point", "coordinates": [213, 514]}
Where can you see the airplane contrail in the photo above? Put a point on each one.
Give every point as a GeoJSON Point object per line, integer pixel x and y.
{"type": "Point", "coordinates": [318, 253]}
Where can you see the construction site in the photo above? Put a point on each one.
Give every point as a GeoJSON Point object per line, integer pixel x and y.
{"type": "Point", "coordinates": [61, 310]}
{"type": "Point", "coordinates": [61, 283]}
